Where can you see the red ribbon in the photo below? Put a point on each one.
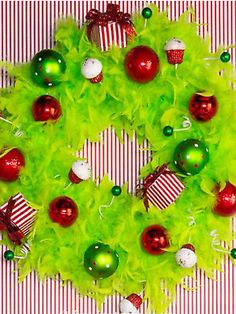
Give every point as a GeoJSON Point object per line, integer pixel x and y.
{"type": "Point", "coordinates": [14, 232]}
{"type": "Point", "coordinates": [142, 191]}
{"type": "Point", "coordinates": [111, 15]}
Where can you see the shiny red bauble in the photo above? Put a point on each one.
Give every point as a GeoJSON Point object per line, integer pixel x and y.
{"type": "Point", "coordinates": [63, 210]}
{"type": "Point", "coordinates": [154, 239]}
{"type": "Point", "coordinates": [142, 64]}
{"type": "Point", "coordinates": [11, 163]}
{"type": "Point", "coordinates": [46, 108]}
{"type": "Point", "coordinates": [203, 108]}
{"type": "Point", "coordinates": [226, 201]}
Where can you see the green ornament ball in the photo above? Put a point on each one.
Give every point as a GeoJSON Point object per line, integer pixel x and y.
{"type": "Point", "coordinates": [47, 68]}
{"type": "Point", "coordinates": [100, 261]}
{"type": "Point", "coordinates": [191, 156]}
{"type": "Point", "coordinates": [225, 56]}
{"type": "Point", "coordinates": [168, 130]}
{"type": "Point", "coordinates": [233, 253]}
{"type": "Point", "coordinates": [147, 13]}
{"type": "Point", "coordinates": [116, 190]}
{"type": "Point", "coordinates": [9, 255]}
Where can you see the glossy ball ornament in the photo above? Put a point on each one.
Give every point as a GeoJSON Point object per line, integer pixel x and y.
{"type": "Point", "coordinates": [225, 56]}
{"type": "Point", "coordinates": [233, 253]}
{"type": "Point", "coordinates": [9, 255]}
{"type": "Point", "coordinates": [11, 162]}
{"type": "Point", "coordinates": [226, 201]}
{"type": "Point", "coordinates": [100, 261]}
{"type": "Point", "coordinates": [147, 13]}
{"type": "Point", "coordinates": [63, 210]}
{"type": "Point", "coordinates": [47, 67]}
{"type": "Point", "coordinates": [202, 107]}
{"type": "Point", "coordinates": [46, 108]}
{"type": "Point", "coordinates": [186, 257]}
{"type": "Point", "coordinates": [116, 190]}
{"type": "Point", "coordinates": [142, 64]}
{"type": "Point", "coordinates": [168, 130]}
{"type": "Point", "coordinates": [154, 239]}
{"type": "Point", "coordinates": [191, 156]}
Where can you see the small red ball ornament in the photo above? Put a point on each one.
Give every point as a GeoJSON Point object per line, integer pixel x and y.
{"type": "Point", "coordinates": [226, 201]}
{"type": "Point", "coordinates": [63, 210]}
{"type": "Point", "coordinates": [203, 107]}
{"type": "Point", "coordinates": [46, 108]}
{"type": "Point", "coordinates": [154, 239]}
{"type": "Point", "coordinates": [11, 162]}
{"type": "Point", "coordinates": [142, 64]}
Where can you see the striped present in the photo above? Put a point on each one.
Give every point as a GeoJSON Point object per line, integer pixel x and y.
{"type": "Point", "coordinates": [112, 28]}
{"type": "Point", "coordinates": [163, 188]}
{"type": "Point", "coordinates": [18, 218]}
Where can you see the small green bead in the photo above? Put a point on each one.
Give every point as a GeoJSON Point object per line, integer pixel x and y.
{"type": "Point", "coordinates": [116, 190]}
{"type": "Point", "coordinates": [225, 56]}
{"type": "Point", "coordinates": [168, 130]}
{"type": "Point", "coordinates": [9, 255]}
{"type": "Point", "coordinates": [233, 253]}
{"type": "Point", "coordinates": [147, 13]}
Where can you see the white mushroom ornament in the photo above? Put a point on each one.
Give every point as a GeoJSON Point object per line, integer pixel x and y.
{"type": "Point", "coordinates": [80, 171]}
{"type": "Point", "coordinates": [91, 69]}
{"type": "Point", "coordinates": [186, 257]}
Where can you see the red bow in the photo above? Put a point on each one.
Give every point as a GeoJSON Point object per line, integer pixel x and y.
{"type": "Point", "coordinates": [142, 191]}
{"type": "Point", "coordinates": [111, 15]}
{"type": "Point", "coordinates": [14, 232]}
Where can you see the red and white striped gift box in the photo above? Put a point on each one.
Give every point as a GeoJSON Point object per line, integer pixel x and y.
{"type": "Point", "coordinates": [108, 35]}
{"type": "Point", "coordinates": [23, 215]}
{"type": "Point", "coordinates": [165, 189]}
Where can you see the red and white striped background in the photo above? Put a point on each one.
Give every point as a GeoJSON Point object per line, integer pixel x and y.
{"type": "Point", "coordinates": [25, 28]}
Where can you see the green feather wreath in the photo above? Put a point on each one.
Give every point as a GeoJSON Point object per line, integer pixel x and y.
{"type": "Point", "coordinates": [126, 105]}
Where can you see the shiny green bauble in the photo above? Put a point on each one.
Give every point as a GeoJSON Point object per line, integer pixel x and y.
{"type": "Point", "coordinates": [191, 156]}
{"type": "Point", "coordinates": [100, 261]}
{"type": "Point", "coordinates": [225, 56]}
{"type": "Point", "coordinates": [168, 130]}
{"type": "Point", "coordinates": [233, 253]}
{"type": "Point", "coordinates": [147, 13]}
{"type": "Point", "coordinates": [9, 255]}
{"type": "Point", "coordinates": [116, 190]}
{"type": "Point", "coordinates": [47, 68]}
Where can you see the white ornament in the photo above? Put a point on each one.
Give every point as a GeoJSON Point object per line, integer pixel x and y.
{"type": "Point", "coordinates": [174, 44]}
{"type": "Point", "coordinates": [91, 68]}
{"type": "Point", "coordinates": [81, 169]}
{"type": "Point", "coordinates": [126, 307]}
{"type": "Point", "coordinates": [186, 258]}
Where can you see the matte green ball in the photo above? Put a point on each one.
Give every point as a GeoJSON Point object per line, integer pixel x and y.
{"type": "Point", "coordinates": [225, 56]}
{"type": "Point", "coordinates": [116, 190]}
{"type": "Point", "coordinates": [47, 68]}
{"type": "Point", "coordinates": [233, 253]}
{"type": "Point", "coordinates": [9, 255]}
{"type": "Point", "coordinates": [168, 130]}
{"type": "Point", "coordinates": [147, 13]}
{"type": "Point", "coordinates": [100, 261]}
{"type": "Point", "coordinates": [191, 156]}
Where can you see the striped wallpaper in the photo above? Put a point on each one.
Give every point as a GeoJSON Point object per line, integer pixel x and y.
{"type": "Point", "coordinates": [25, 28]}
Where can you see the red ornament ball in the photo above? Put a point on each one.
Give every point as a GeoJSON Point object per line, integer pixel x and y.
{"type": "Point", "coordinates": [142, 64]}
{"type": "Point", "coordinates": [202, 107]}
{"type": "Point", "coordinates": [226, 201]}
{"type": "Point", "coordinates": [11, 162]}
{"type": "Point", "coordinates": [154, 239]}
{"type": "Point", "coordinates": [63, 210]}
{"type": "Point", "coordinates": [46, 108]}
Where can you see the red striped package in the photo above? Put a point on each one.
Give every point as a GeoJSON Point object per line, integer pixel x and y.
{"type": "Point", "coordinates": [112, 28]}
{"type": "Point", "coordinates": [162, 187]}
{"type": "Point", "coordinates": [17, 217]}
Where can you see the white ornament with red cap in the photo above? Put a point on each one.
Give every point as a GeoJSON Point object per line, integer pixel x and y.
{"type": "Point", "coordinates": [186, 256]}
{"type": "Point", "coordinates": [91, 69]}
{"type": "Point", "coordinates": [174, 49]}
{"type": "Point", "coordinates": [80, 171]}
{"type": "Point", "coordinates": [131, 304]}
